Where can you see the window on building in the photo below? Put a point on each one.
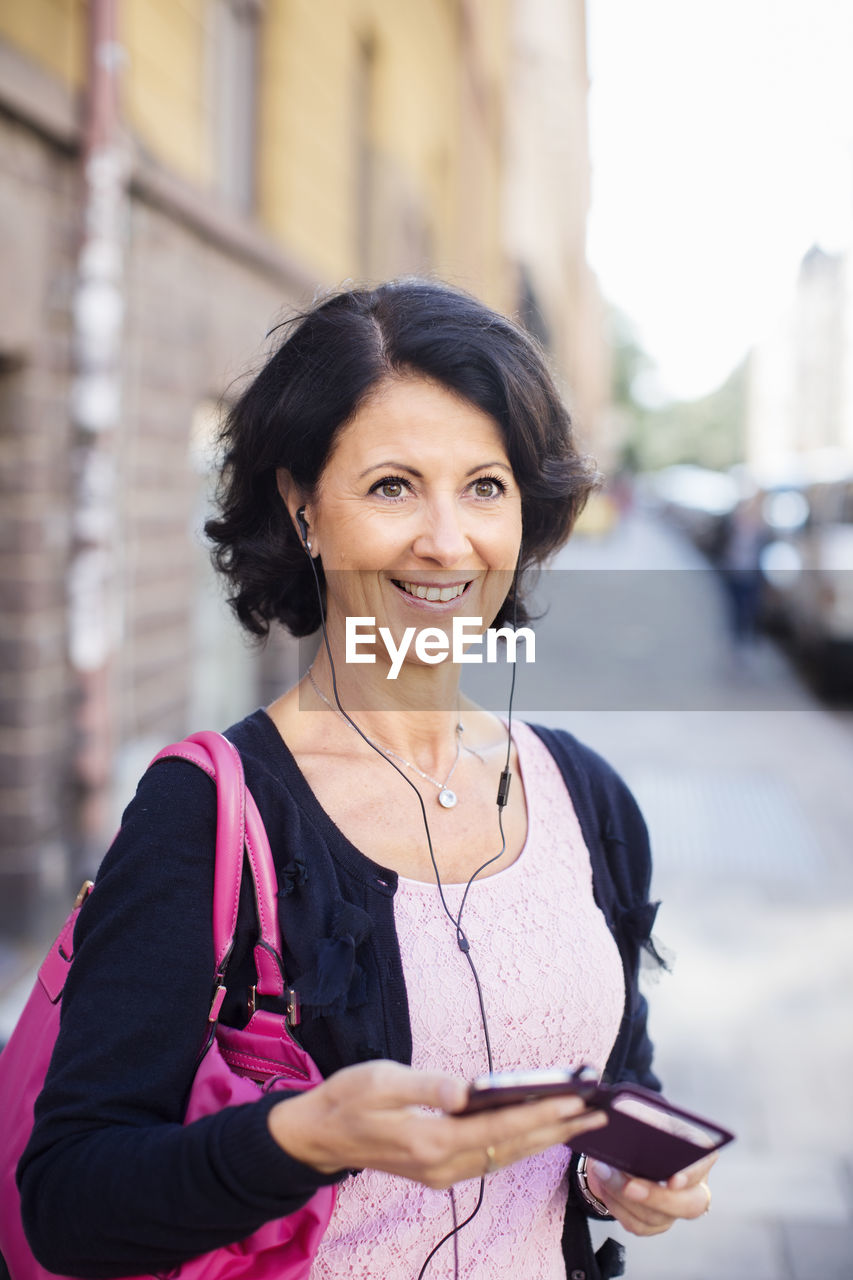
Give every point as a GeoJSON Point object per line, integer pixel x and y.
{"type": "Point", "coordinates": [530, 311]}
{"type": "Point", "coordinates": [235, 27]}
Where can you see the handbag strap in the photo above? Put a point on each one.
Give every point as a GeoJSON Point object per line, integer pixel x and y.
{"type": "Point", "coordinates": [239, 830]}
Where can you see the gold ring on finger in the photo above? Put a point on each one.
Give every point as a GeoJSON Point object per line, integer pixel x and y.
{"type": "Point", "coordinates": [491, 1162]}
{"type": "Point", "coordinates": [707, 1191]}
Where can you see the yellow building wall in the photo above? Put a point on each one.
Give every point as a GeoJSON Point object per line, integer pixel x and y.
{"type": "Point", "coordinates": [51, 33]}
{"type": "Point", "coordinates": [305, 169]}
{"type": "Point", "coordinates": [307, 182]}
{"type": "Point", "coordinates": [418, 101]}
{"type": "Point", "coordinates": [166, 93]}
{"type": "Point", "coordinates": [485, 70]}
{"type": "Point", "coordinates": [438, 85]}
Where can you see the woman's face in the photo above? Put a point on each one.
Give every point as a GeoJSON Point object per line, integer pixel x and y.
{"type": "Point", "coordinates": [417, 515]}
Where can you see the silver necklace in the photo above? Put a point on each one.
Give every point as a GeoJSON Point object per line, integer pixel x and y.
{"type": "Point", "coordinates": [447, 798]}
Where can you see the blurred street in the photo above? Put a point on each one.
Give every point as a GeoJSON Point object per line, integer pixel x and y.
{"type": "Point", "coordinates": [750, 813]}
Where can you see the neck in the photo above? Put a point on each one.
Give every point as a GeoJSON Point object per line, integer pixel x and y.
{"type": "Point", "coordinates": [415, 715]}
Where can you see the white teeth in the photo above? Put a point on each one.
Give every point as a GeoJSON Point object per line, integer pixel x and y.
{"type": "Point", "coordinates": [433, 593]}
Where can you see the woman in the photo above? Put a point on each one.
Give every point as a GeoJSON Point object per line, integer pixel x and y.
{"type": "Point", "coordinates": [402, 458]}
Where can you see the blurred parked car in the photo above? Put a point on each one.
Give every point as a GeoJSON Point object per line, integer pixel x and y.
{"type": "Point", "coordinates": [697, 500]}
{"type": "Point", "coordinates": [807, 566]}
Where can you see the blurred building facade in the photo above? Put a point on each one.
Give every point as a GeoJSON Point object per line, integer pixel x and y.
{"type": "Point", "coordinates": [547, 192]}
{"type": "Point", "coordinates": [174, 178]}
{"type": "Point", "coordinates": [801, 374]}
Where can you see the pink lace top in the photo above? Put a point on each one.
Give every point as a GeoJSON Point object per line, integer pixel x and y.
{"type": "Point", "coordinates": [554, 992]}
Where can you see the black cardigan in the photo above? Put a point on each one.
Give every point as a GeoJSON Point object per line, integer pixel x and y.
{"type": "Point", "coordinates": [112, 1183]}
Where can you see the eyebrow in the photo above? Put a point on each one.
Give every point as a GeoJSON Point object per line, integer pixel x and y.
{"type": "Point", "coordinates": [391, 465]}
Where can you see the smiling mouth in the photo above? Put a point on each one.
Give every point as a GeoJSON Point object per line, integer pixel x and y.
{"type": "Point", "coordinates": [443, 594]}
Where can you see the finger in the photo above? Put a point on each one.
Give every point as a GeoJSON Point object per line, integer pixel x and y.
{"type": "Point", "coordinates": [651, 1198]}
{"type": "Point", "coordinates": [395, 1085]}
{"type": "Point", "coordinates": [692, 1202]}
{"type": "Point", "coordinates": [434, 1089]}
{"type": "Point", "coordinates": [507, 1124]}
{"type": "Point", "coordinates": [497, 1139]}
{"type": "Point", "coordinates": [538, 1134]}
{"type": "Point", "coordinates": [641, 1224]}
{"type": "Point", "coordinates": [566, 1130]}
{"type": "Point", "coordinates": [642, 1189]}
{"type": "Point", "coordinates": [533, 1140]}
{"type": "Point", "coordinates": [609, 1186]}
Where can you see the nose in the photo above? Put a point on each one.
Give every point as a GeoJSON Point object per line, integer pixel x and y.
{"type": "Point", "coordinates": [442, 537]}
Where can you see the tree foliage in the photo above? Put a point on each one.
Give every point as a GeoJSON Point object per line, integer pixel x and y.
{"type": "Point", "coordinates": [709, 431]}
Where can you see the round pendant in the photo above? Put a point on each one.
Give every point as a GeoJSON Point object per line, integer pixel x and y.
{"type": "Point", "coordinates": [446, 798]}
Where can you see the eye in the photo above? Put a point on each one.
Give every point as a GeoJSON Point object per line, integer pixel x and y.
{"type": "Point", "coordinates": [489, 487]}
{"type": "Point", "coordinates": [391, 487]}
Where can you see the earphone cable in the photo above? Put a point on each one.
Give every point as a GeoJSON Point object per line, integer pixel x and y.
{"type": "Point", "coordinates": [503, 791]}
{"type": "Point", "coordinates": [452, 1235]}
{"type": "Point", "coordinates": [461, 938]}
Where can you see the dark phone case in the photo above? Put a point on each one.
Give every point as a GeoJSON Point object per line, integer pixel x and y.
{"type": "Point", "coordinates": [640, 1148]}
{"type": "Point", "coordinates": [488, 1099]}
{"type": "Point", "coordinates": [628, 1142]}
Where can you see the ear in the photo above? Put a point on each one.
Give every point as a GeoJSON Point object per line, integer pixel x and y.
{"type": "Point", "coordinates": [294, 499]}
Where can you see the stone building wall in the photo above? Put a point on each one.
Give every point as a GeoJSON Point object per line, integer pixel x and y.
{"type": "Point", "coordinates": [200, 297]}
{"type": "Point", "coordinates": [37, 231]}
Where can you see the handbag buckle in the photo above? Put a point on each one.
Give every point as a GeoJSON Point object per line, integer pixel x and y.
{"type": "Point", "coordinates": [216, 1003]}
{"type": "Point", "coordinates": [293, 1011]}
{"type": "Point", "coordinates": [85, 889]}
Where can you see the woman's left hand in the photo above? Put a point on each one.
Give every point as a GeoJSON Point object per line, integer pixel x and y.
{"type": "Point", "coordinates": [648, 1208]}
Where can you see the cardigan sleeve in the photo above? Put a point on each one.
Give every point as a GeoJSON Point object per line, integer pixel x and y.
{"type": "Point", "coordinates": [629, 860]}
{"type": "Point", "coordinates": [618, 842]}
{"type": "Point", "coordinates": [112, 1182]}
{"type": "Point", "coordinates": [622, 880]}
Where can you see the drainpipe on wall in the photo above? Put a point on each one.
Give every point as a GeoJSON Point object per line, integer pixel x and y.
{"type": "Point", "coordinates": [97, 322]}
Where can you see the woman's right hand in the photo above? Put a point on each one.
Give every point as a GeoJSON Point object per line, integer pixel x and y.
{"type": "Point", "coordinates": [371, 1116]}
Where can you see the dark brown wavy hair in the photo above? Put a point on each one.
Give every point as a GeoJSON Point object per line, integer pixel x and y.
{"type": "Point", "coordinates": [330, 360]}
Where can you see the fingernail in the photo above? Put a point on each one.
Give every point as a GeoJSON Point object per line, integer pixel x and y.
{"type": "Point", "coordinates": [453, 1094]}
{"type": "Point", "coordinates": [614, 1178]}
{"type": "Point", "coordinates": [636, 1191]}
{"type": "Point", "coordinates": [678, 1181]}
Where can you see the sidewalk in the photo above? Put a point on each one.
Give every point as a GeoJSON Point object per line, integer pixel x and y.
{"type": "Point", "coordinates": [751, 814]}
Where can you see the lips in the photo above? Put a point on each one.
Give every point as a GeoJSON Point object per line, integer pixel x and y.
{"type": "Point", "coordinates": [422, 591]}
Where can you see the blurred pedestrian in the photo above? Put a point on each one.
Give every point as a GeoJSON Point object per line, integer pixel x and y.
{"type": "Point", "coordinates": [740, 569]}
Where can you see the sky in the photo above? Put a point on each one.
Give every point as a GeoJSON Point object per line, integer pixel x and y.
{"type": "Point", "coordinates": [721, 134]}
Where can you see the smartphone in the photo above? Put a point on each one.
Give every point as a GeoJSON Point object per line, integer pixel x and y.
{"type": "Point", "coordinates": [645, 1135]}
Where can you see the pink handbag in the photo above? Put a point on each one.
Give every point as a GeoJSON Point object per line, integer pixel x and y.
{"type": "Point", "coordinates": [237, 1065]}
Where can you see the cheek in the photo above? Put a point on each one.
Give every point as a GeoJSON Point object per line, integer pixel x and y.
{"type": "Point", "coordinates": [359, 539]}
{"type": "Point", "coordinates": [506, 540]}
